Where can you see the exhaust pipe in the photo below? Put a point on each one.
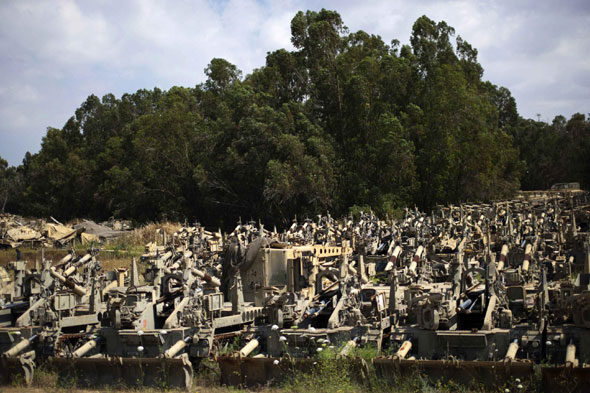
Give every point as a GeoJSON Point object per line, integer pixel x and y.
{"type": "Point", "coordinates": [19, 347]}
{"type": "Point", "coordinates": [177, 347]}
{"type": "Point", "coordinates": [392, 260]}
{"type": "Point", "coordinates": [503, 255]}
{"type": "Point", "coordinates": [570, 355]}
{"type": "Point", "coordinates": [511, 352]}
{"type": "Point", "coordinates": [210, 279]}
{"type": "Point", "coordinates": [248, 348]}
{"type": "Point", "coordinates": [402, 352]}
{"type": "Point", "coordinates": [417, 256]}
{"type": "Point", "coordinates": [527, 257]}
{"type": "Point", "coordinates": [84, 349]}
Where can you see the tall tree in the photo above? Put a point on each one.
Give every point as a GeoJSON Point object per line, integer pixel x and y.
{"type": "Point", "coordinates": [343, 119]}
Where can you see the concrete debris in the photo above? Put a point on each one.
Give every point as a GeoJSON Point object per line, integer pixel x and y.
{"type": "Point", "coordinates": [22, 234]}
{"type": "Point", "coordinates": [59, 234]}
{"type": "Point", "coordinates": [118, 225]}
{"type": "Point", "coordinates": [16, 231]}
{"type": "Point", "coordinates": [99, 231]}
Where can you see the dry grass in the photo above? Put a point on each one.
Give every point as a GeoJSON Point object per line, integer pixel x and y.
{"type": "Point", "coordinates": [119, 252]}
{"type": "Point", "coordinates": [147, 233]}
{"type": "Point", "coordinates": [114, 254]}
{"type": "Point", "coordinates": [30, 255]}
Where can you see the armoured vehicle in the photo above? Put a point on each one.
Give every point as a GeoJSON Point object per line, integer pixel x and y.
{"type": "Point", "coordinates": [476, 291]}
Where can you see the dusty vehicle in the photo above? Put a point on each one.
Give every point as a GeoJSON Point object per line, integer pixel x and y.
{"type": "Point", "coordinates": [489, 292]}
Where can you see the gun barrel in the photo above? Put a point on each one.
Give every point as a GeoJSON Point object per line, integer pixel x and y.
{"type": "Point", "coordinates": [210, 279]}
{"type": "Point", "coordinates": [78, 290]}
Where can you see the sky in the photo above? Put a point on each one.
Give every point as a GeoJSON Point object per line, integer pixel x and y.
{"type": "Point", "coordinates": [56, 53]}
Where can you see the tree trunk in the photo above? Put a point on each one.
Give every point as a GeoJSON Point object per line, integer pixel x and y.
{"type": "Point", "coordinates": [4, 203]}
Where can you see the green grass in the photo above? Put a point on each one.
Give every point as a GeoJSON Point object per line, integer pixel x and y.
{"type": "Point", "coordinates": [330, 373]}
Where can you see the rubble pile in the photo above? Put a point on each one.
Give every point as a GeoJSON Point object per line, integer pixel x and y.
{"type": "Point", "coordinates": [16, 231]}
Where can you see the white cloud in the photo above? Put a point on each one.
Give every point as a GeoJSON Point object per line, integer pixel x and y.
{"type": "Point", "coordinates": [538, 49]}
{"type": "Point", "coordinates": [57, 53]}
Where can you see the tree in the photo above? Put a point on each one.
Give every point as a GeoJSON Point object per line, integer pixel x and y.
{"type": "Point", "coordinates": [4, 183]}
{"type": "Point", "coordinates": [343, 120]}
{"type": "Point", "coordinates": [221, 74]}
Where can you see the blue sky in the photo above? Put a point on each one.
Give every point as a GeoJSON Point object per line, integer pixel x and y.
{"type": "Point", "coordinates": [56, 53]}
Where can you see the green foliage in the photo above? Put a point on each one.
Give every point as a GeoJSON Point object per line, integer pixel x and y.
{"type": "Point", "coordinates": [4, 182]}
{"type": "Point", "coordinates": [230, 347]}
{"type": "Point", "coordinates": [329, 374]}
{"type": "Point", "coordinates": [343, 120]}
{"type": "Point", "coordinates": [367, 353]}
{"type": "Point", "coordinates": [554, 153]}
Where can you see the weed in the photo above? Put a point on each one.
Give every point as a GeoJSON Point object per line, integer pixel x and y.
{"type": "Point", "coordinates": [45, 378]}
{"type": "Point", "coordinates": [329, 374]}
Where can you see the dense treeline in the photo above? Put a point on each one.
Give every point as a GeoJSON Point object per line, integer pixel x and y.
{"type": "Point", "coordinates": [345, 119]}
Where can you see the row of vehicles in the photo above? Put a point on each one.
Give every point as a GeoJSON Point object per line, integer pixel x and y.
{"type": "Point", "coordinates": [484, 291]}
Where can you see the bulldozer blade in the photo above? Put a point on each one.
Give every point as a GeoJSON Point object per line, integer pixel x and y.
{"type": "Point", "coordinates": [487, 373]}
{"type": "Point", "coordinates": [134, 372]}
{"type": "Point", "coordinates": [16, 370]}
{"type": "Point", "coordinates": [566, 379]}
{"type": "Point", "coordinates": [236, 371]}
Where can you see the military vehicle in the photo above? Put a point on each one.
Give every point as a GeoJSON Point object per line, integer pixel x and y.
{"type": "Point", "coordinates": [485, 292]}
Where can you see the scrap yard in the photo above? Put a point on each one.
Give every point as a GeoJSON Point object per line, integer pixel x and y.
{"type": "Point", "coordinates": [284, 197]}
{"type": "Point", "coordinates": [475, 293]}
